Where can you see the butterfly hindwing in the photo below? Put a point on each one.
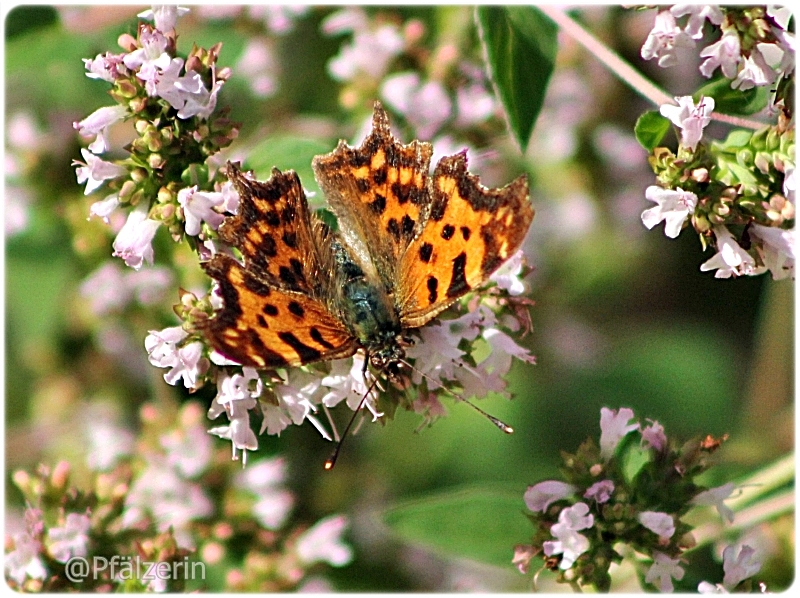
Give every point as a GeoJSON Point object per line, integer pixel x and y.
{"type": "Point", "coordinates": [267, 327]}
{"type": "Point", "coordinates": [470, 231]}
{"type": "Point", "coordinates": [379, 194]}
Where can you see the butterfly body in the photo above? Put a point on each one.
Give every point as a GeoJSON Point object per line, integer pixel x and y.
{"type": "Point", "coordinates": [408, 245]}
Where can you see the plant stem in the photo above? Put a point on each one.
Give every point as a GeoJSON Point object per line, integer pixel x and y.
{"type": "Point", "coordinates": [625, 71]}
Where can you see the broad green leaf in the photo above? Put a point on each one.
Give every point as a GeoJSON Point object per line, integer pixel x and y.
{"type": "Point", "coordinates": [520, 45]}
{"type": "Point", "coordinates": [736, 139]}
{"type": "Point", "coordinates": [650, 129]}
{"type": "Point", "coordinates": [289, 153]}
{"type": "Point", "coordinates": [733, 101]}
{"type": "Point", "coordinates": [482, 524]}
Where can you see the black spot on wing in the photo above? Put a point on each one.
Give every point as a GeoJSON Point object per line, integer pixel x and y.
{"type": "Point", "coordinates": [407, 226]}
{"type": "Point", "coordinates": [362, 185]}
{"type": "Point", "coordinates": [379, 204]}
{"type": "Point", "coordinates": [433, 289]}
{"type": "Point", "coordinates": [458, 283]}
{"type": "Point", "coordinates": [394, 228]}
{"type": "Point", "coordinates": [307, 354]}
{"type": "Point", "coordinates": [271, 217]}
{"type": "Point", "coordinates": [297, 309]}
{"type": "Point", "coordinates": [270, 309]}
{"type": "Point", "coordinates": [290, 239]}
{"type": "Point", "coordinates": [379, 176]}
{"type": "Point", "coordinates": [261, 321]}
{"type": "Point", "coordinates": [425, 252]}
{"type": "Point", "coordinates": [448, 231]}
{"type": "Point", "coordinates": [254, 285]}
{"type": "Point", "coordinates": [466, 232]}
{"type": "Point", "coordinates": [267, 247]}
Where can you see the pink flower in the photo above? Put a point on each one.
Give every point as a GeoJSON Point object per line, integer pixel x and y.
{"type": "Point", "coordinates": [323, 543]}
{"type": "Point", "coordinates": [98, 123]}
{"type": "Point", "coordinates": [600, 491]}
{"type": "Point", "coordinates": [664, 39]}
{"type": "Point", "coordinates": [730, 259]}
{"type": "Point", "coordinates": [690, 118]}
{"type": "Point", "coordinates": [654, 437]}
{"type": "Point", "coordinates": [725, 53]}
{"type": "Point", "coordinates": [664, 569]}
{"type": "Point", "coordinates": [569, 543]}
{"type": "Point", "coordinates": [164, 16]}
{"type": "Point", "coordinates": [661, 524]}
{"type": "Point", "coordinates": [542, 495]}
{"type": "Point", "coordinates": [674, 206]}
{"type": "Point", "coordinates": [94, 171]}
{"type": "Point", "coordinates": [198, 207]}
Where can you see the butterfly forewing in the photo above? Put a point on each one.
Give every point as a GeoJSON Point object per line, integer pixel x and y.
{"type": "Point", "coordinates": [379, 194]}
{"type": "Point", "coordinates": [470, 231]}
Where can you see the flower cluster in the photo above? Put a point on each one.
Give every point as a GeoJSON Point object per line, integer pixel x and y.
{"type": "Point", "coordinates": [467, 356]}
{"type": "Point", "coordinates": [738, 194]}
{"type": "Point", "coordinates": [755, 47]}
{"type": "Point", "coordinates": [175, 503]}
{"type": "Point", "coordinates": [632, 489]}
{"type": "Point", "coordinates": [169, 176]}
{"type": "Point", "coordinates": [436, 92]}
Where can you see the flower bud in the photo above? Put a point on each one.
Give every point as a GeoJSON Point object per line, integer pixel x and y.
{"type": "Point", "coordinates": [128, 187]}
{"type": "Point", "coordinates": [60, 475]}
{"type": "Point", "coordinates": [138, 175]}
{"type": "Point", "coordinates": [127, 42]}
{"type": "Point", "coordinates": [701, 223]}
{"type": "Point", "coordinates": [722, 209]}
{"type": "Point", "coordinates": [126, 89]}
{"type": "Point", "coordinates": [155, 161]}
{"type": "Point", "coordinates": [700, 175]}
{"type": "Point", "coordinates": [165, 195]}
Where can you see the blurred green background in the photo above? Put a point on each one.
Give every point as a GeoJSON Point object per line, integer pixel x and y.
{"type": "Point", "coordinates": [622, 316]}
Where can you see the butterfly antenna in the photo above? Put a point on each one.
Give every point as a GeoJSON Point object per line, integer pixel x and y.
{"type": "Point", "coordinates": [501, 425]}
{"type": "Point", "coordinates": [332, 459]}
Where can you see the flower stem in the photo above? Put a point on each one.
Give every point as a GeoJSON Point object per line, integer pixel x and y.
{"type": "Point", "coordinates": [625, 71]}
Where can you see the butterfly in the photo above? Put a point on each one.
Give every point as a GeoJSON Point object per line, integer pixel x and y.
{"type": "Point", "coordinates": [408, 245]}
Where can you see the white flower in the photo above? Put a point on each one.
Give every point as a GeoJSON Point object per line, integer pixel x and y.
{"type": "Point", "coordinates": [730, 259]}
{"type": "Point", "coordinates": [163, 15]}
{"type": "Point", "coordinates": [716, 497]}
{"type": "Point", "coordinates": [507, 276]}
{"type": "Point", "coordinates": [674, 206]}
{"type": "Point", "coordinates": [169, 498]}
{"type": "Point", "coordinates": [134, 240]}
{"type": "Point", "coordinates": [725, 53]}
{"type": "Point", "coordinates": [705, 587]}
{"type": "Point", "coordinates": [162, 84]}
{"type": "Point", "coordinates": [323, 543]}
{"type": "Point", "coordinates": [151, 57]}
{"type": "Point", "coordinates": [777, 249]}
{"type": "Point", "coordinates": [190, 365]}
{"type": "Point", "coordinates": [600, 491]}
{"type": "Point", "coordinates": [198, 207]}
{"type": "Point", "coordinates": [105, 207]}
{"type": "Point", "coordinates": [370, 52]}
{"type": "Point", "coordinates": [755, 72]}
{"type": "Point", "coordinates": [264, 480]}
{"type": "Point", "coordinates": [698, 14]}
{"type": "Point", "coordinates": [789, 183]}
{"type": "Point", "coordinates": [107, 67]}
{"type": "Point", "coordinates": [661, 524]}
{"type": "Point", "coordinates": [569, 543]}
{"type": "Point", "coordinates": [664, 569]}
{"type": "Point", "coordinates": [236, 395]}
{"type": "Point", "coordinates": [663, 40]}
{"type": "Point", "coordinates": [346, 382]}
{"type": "Point", "coordinates": [426, 106]}
{"type": "Point", "coordinates": [94, 171]}
{"type": "Point", "coordinates": [613, 428]}
{"type": "Point", "coordinates": [436, 355]}
{"type": "Point", "coordinates": [199, 101]}
{"type": "Point", "coordinates": [739, 564]}
{"type": "Point", "coordinates": [690, 118]}
{"type": "Point", "coordinates": [98, 123]}
{"type": "Point", "coordinates": [71, 540]}
{"type": "Point", "coordinates": [24, 561]}
{"type": "Point", "coordinates": [503, 348]}
{"type": "Point", "coordinates": [162, 345]}
{"type": "Point", "coordinates": [539, 496]}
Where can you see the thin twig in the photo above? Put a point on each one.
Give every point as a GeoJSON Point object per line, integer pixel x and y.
{"type": "Point", "coordinates": [625, 71]}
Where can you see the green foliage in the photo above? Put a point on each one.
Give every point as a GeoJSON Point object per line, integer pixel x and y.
{"type": "Point", "coordinates": [520, 45]}
{"type": "Point", "coordinates": [288, 153]}
{"type": "Point", "coordinates": [479, 523]}
{"type": "Point", "coordinates": [650, 129]}
{"type": "Point", "coordinates": [733, 101]}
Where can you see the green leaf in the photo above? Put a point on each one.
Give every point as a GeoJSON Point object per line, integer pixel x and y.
{"type": "Point", "coordinates": [520, 45]}
{"type": "Point", "coordinates": [288, 153]}
{"type": "Point", "coordinates": [650, 129]}
{"type": "Point", "coordinates": [478, 523]}
{"type": "Point", "coordinates": [733, 101]}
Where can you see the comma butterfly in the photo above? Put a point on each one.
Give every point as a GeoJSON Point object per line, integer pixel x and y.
{"type": "Point", "coordinates": [408, 245]}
